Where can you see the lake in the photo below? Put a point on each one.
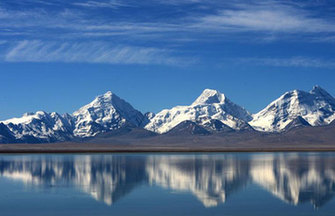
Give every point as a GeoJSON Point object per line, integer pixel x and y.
{"type": "Point", "coordinates": [168, 184]}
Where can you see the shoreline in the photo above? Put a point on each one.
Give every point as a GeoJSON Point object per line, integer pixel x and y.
{"type": "Point", "coordinates": [63, 148]}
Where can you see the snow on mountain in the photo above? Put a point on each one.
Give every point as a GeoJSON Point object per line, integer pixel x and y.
{"type": "Point", "coordinates": [317, 107]}
{"type": "Point", "coordinates": [6, 136]}
{"type": "Point", "coordinates": [149, 115]}
{"type": "Point", "coordinates": [212, 111]}
{"type": "Point", "coordinates": [40, 127]}
{"type": "Point", "coordinates": [106, 112]}
{"type": "Point", "coordinates": [211, 104]}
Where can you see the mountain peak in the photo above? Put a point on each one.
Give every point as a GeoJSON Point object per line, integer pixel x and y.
{"type": "Point", "coordinates": [106, 112]}
{"type": "Point", "coordinates": [211, 104]}
{"type": "Point", "coordinates": [26, 117]}
{"type": "Point", "coordinates": [317, 90]}
{"type": "Point", "coordinates": [317, 87]}
{"type": "Point", "coordinates": [28, 114]}
{"type": "Point", "coordinates": [38, 113]}
{"type": "Point", "coordinates": [104, 98]}
{"type": "Point", "coordinates": [210, 96]}
{"type": "Point", "coordinates": [316, 107]}
{"type": "Point", "coordinates": [108, 94]}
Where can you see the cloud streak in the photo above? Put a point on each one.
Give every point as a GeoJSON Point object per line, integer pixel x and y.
{"type": "Point", "coordinates": [100, 4]}
{"type": "Point", "coordinates": [263, 17]}
{"type": "Point", "coordinates": [94, 52]}
{"type": "Point", "coordinates": [268, 17]}
{"type": "Point", "coordinates": [296, 61]}
{"type": "Point", "coordinates": [70, 33]}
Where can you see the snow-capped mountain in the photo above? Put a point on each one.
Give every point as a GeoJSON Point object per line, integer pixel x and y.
{"type": "Point", "coordinates": [317, 107]}
{"type": "Point", "coordinates": [211, 112]}
{"type": "Point", "coordinates": [106, 112]}
{"type": "Point", "coordinates": [211, 104]}
{"type": "Point", "coordinates": [40, 127]}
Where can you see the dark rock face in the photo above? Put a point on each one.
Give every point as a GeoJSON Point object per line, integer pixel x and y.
{"type": "Point", "coordinates": [297, 123]}
{"type": "Point", "coordinates": [6, 136]}
{"type": "Point", "coordinates": [128, 131]}
{"type": "Point", "coordinates": [188, 128]}
{"type": "Point", "coordinates": [215, 125]}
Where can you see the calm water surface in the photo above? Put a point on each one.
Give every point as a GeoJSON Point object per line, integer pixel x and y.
{"type": "Point", "coordinates": [168, 184]}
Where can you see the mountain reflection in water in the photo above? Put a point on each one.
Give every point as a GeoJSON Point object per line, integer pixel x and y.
{"type": "Point", "coordinates": [293, 178]}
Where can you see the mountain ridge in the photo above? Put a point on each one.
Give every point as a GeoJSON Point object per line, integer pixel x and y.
{"type": "Point", "coordinates": [106, 112]}
{"type": "Point", "coordinates": [317, 107]}
{"type": "Point", "coordinates": [211, 104]}
{"type": "Point", "coordinates": [212, 111]}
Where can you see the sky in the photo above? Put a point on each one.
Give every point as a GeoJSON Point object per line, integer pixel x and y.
{"type": "Point", "coordinates": [57, 55]}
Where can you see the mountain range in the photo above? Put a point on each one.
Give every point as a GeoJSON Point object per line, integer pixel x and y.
{"type": "Point", "coordinates": [211, 113]}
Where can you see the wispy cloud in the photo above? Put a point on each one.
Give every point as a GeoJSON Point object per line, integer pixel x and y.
{"type": "Point", "coordinates": [93, 52]}
{"type": "Point", "coordinates": [73, 23]}
{"type": "Point", "coordinates": [70, 33]}
{"type": "Point", "coordinates": [296, 61]}
{"type": "Point", "coordinates": [264, 17]}
{"type": "Point", "coordinates": [272, 17]}
{"type": "Point", "coordinates": [100, 4]}
{"type": "Point", "coordinates": [180, 2]}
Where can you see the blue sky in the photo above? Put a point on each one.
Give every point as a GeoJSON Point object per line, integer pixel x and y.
{"type": "Point", "coordinates": [57, 55]}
